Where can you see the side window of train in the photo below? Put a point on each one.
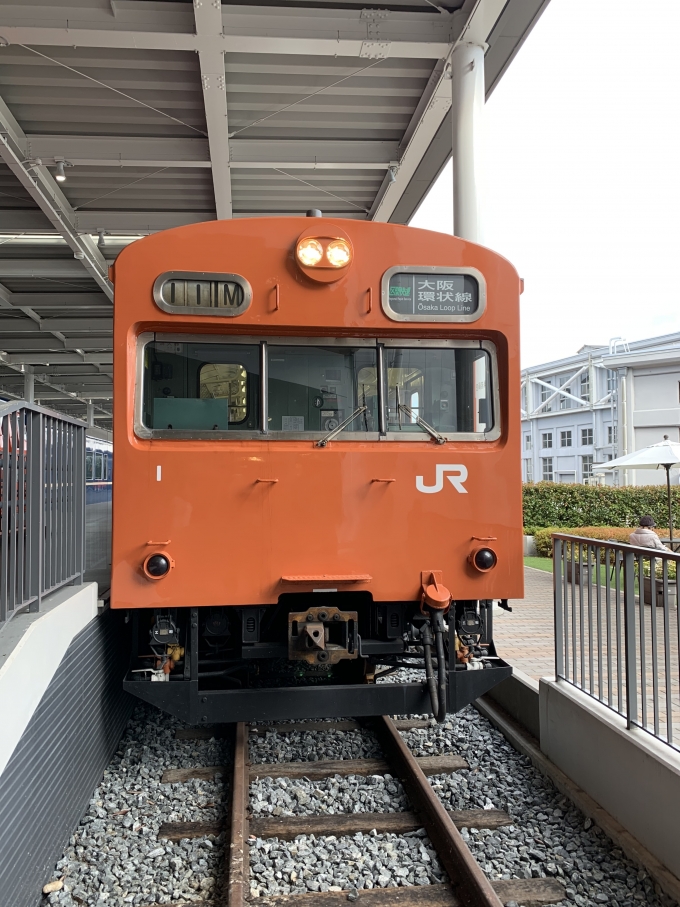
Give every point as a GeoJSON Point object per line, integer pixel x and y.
{"type": "Point", "coordinates": [98, 465]}
{"type": "Point", "coordinates": [450, 389]}
{"type": "Point", "coordinates": [315, 389]}
{"type": "Point", "coordinates": [202, 387]}
{"type": "Point", "coordinates": [89, 466]}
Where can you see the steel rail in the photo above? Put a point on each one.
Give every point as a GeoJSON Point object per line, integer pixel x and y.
{"type": "Point", "coordinates": [239, 866]}
{"type": "Point", "coordinates": [469, 883]}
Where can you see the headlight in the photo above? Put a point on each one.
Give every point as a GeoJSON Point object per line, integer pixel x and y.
{"type": "Point", "coordinates": [483, 559]}
{"type": "Point", "coordinates": [309, 252]}
{"type": "Point", "coordinates": [339, 253]}
{"type": "Point", "coordinates": [157, 565]}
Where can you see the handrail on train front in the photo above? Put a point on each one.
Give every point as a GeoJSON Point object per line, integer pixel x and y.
{"type": "Point", "coordinates": [617, 634]}
{"type": "Point", "coordinates": [42, 505]}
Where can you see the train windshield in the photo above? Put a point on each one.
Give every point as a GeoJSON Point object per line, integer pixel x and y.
{"type": "Point", "coordinates": [316, 389]}
{"type": "Point", "coordinates": [311, 388]}
{"type": "Point", "coordinates": [447, 388]}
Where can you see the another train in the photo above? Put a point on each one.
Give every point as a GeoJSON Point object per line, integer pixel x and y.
{"type": "Point", "coordinates": [316, 436]}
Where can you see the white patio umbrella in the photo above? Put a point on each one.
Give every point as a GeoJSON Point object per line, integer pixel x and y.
{"type": "Point", "coordinates": [665, 453]}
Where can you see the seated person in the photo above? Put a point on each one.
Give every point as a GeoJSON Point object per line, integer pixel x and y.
{"type": "Point", "coordinates": [644, 535]}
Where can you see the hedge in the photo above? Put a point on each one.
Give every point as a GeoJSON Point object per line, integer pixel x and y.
{"type": "Point", "coordinates": [543, 537]}
{"type": "Point", "coordinates": [553, 504]}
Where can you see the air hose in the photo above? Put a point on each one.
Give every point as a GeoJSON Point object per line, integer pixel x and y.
{"type": "Point", "coordinates": [436, 686]}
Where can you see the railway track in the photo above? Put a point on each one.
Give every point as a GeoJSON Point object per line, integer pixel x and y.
{"type": "Point", "coordinates": [467, 886]}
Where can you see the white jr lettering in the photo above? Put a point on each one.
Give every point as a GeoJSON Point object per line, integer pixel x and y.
{"type": "Point", "coordinates": [459, 475]}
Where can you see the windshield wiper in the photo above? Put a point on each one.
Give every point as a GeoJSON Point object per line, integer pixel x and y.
{"type": "Point", "coordinates": [440, 439]}
{"type": "Point", "coordinates": [339, 428]}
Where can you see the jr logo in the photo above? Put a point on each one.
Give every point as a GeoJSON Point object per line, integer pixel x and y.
{"type": "Point", "coordinates": [460, 474]}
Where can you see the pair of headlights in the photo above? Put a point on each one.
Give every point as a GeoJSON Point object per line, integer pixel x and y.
{"type": "Point", "coordinates": [317, 253]}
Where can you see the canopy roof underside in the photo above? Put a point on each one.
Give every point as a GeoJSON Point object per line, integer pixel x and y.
{"type": "Point", "coordinates": [170, 113]}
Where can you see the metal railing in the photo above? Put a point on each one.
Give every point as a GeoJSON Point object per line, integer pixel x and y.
{"type": "Point", "coordinates": [42, 505]}
{"type": "Point", "coordinates": [617, 635]}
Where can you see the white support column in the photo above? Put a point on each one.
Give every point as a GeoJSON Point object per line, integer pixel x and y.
{"type": "Point", "coordinates": [467, 97]}
{"type": "Point", "coordinates": [90, 413]}
{"type": "Point", "coordinates": [29, 384]}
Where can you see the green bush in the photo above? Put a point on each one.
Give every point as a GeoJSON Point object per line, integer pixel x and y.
{"type": "Point", "coordinates": [550, 504]}
{"type": "Point", "coordinates": [543, 537]}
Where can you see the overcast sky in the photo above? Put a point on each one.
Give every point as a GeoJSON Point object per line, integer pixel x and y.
{"type": "Point", "coordinates": [582, 175]}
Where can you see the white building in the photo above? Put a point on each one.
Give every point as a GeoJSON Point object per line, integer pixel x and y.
{"type": "Point", "coordinates": [599, 404]}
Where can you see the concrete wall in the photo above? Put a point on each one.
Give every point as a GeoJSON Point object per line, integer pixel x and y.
{"type": "Point", "coordinates": [518, 696]}
{"type": "Point", "coordinates": [63, 713]}
{"type": "Point", "coordinates": [633, 776]}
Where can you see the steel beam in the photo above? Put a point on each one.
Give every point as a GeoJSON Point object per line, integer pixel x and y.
{"type": "Point", "coordinates": [473, 23]}
{"type": "Point", "coordinates": [95, 301]}
{"type": "Point", "coordinates": [28, 325]}
{"type": "Point", "coordinates": [247, 30]}
{"type": "Point", "coordinates": [42, 188]}
{"type": "Point", "coordinates": [104, 358]}
{"type": "Point", "coordinates": [123, 151]}
{"type": "Point", "coordinates": [62, 268]}
{"type": "Point", "coordinates": [208, 17]}
{"type": "Point", "coordinates": [120, 151]}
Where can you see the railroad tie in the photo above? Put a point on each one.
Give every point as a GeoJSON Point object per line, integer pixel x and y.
{"type": "Point", "coordinates": [287, 828]}
{"type": "Point", "coordinates": [431, 765]}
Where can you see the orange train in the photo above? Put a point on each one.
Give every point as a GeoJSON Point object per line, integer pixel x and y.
{"type": "Point", "coordinates": [317, 467]}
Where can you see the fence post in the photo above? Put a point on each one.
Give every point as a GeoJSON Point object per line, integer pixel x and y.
{"type": "Point", "coordinates": [79, 476]}
{"type": "Point", "coordinates": [559, 608]}
{"type": "Point", "coordinates": [629, 634]}
{"type": "Point", "coordinates": [36, 494]}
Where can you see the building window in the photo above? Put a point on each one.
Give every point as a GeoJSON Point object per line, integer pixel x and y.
{"type": "Point", "coordinates": [585, 386]}
{"type": "Point", "coordinates": [545, 393]}
{"type": "Point", "coordinates": [565, 438]}
{"type": "Point", "coordinates": [565, 402]}
{"type": "Point", "coordinates": [586, 437]}
{"type": "Point", "coordinates": [527, 442]}
{"type": "Point", "coordinates": [611, 381]}
{"type": "Point", "coordinates": [528, 471]}
{"type": "Point", "coordinates": [548, 475]}
{"type": "Point", "coordinates": [546, 439]}
{"type": "Point", "coordinates": [611, 434]}
{"type": "Point", "coordinates": [587, 467]}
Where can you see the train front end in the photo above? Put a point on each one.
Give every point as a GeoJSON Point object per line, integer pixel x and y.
{"type": "Point", "coordinates": [316, 436]}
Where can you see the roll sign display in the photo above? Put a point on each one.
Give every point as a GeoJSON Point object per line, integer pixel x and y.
{"type": "Point", "coordinates": [433, 294]}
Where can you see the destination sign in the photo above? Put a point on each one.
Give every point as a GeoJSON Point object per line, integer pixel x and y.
{"type": "Point", "coordinates": [429, 296]}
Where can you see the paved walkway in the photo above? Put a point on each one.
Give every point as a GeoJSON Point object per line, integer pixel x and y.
{"type": "Point", "coordinates": [526, 638]}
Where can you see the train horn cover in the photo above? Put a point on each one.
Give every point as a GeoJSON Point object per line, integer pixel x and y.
{"type": "Point", "coordinates": [324, 258]}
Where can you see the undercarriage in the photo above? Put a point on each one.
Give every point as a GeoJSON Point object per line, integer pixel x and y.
{"type": "Point", "coordinates": [314, 655]}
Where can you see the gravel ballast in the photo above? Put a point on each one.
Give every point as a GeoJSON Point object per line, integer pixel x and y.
{"type": "Point", "coordinates": [313, 746]}
{"type": "Point", "coordinates": [115, 857]}
{"type": "Point", "coordinates": [336, 864]}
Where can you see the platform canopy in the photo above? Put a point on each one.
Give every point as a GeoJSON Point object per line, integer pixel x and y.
{"type": "Point", "coordinates": [160, 114]}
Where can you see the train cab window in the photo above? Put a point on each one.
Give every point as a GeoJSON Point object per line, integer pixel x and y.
{"type": "Point", "coordinates": [201, 386]}
{"type": "Point", "coordinates": [315, 389]}
{"type": "Point", "coordinates": [226, 381]}
{"type": "Point", "coordinates": [450, 389]}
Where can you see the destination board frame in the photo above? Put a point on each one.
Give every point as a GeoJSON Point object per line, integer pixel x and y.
{"type": "Point", "coordinates": [430, 317]}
